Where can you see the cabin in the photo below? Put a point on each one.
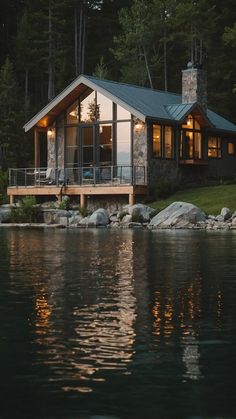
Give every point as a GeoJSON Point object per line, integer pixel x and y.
{"type": "Point", "coordinates": [100, 138]}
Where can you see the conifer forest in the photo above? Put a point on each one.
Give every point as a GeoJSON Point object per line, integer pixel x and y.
{"type": "Point", "coordinates": [45, 44]}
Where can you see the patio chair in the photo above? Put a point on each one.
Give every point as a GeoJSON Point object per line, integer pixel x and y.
{"type": "Point", "coordinates": [49, 178]}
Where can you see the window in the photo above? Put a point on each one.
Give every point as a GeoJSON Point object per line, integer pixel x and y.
{"type": "Point", "coordinates": [122, 113]}
{"type": "Point", "coordinates": [168, 149]}
{"type": "Point", "coordinates": [72, 142]}
{"type": "Point", "coordinates": [230, 148]}
{"type": "Point", "coordinates": [104, 107]}
{"type": "Point", "coordinates": [191, 140]}
{"type": "Point", "coordinates": [105, 144]}
{"type": "Point", "coordinates": [123, 143]}
{"type": "Point", "coordinates": [72, 114]}
{"type": "Point", "coordinates": [88, 108]}
{"type": "Point", "coordinates": [162, 142]}
{"type": "Point", "coordinates": [214, 147]}
{"type": "Point", "coordinates": [156, 141]}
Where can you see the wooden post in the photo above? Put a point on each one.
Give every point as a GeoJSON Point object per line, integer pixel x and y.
{"type": "Point", "coordinates": [83, 201]}
{"type": "Point", "coordinates": [11, 199]}
{"type": "Point", "coordinates": [131, 199]}
{"type": "Point", "coordinates": [36, 148]}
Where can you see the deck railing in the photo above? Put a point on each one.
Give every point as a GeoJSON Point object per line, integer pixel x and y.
{"type": "Point", "coordinates": [92, 175]}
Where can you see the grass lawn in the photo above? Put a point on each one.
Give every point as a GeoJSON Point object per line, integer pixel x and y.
{"type": "Point", "coordinates": [210, 199]}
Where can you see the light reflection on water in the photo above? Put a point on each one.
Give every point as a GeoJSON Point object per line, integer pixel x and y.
{"type": "Point", "coordinates": [124, 314]}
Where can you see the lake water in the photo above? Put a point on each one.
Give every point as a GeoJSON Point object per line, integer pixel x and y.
{"type": "Point", "coordinates": [100, 324]}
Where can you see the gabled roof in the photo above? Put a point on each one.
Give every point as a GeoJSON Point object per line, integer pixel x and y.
{"type": "Point", "coordinates": [140, 101]}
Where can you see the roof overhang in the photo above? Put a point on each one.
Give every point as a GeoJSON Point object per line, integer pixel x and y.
{"type": "Point", "coordinates": [47, 115]}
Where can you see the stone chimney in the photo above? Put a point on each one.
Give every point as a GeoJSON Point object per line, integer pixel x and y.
{"type": "Point", "coordinates": [194, 85]}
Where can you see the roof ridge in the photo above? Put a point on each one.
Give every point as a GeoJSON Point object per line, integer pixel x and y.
{"type": "Point", "coordinates": [131, 85]}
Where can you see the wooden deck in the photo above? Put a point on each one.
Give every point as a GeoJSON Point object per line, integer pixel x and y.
{"type": "Point", "coordinates": [82, 191]}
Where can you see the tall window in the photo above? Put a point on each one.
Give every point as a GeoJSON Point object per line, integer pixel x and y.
{"type": "Point", "coordinates": [123, 143]}
{"type": "Point", "coordinates": [105, 144]}
{"type": "Point", "coordinates": [191, 140]}
{"type": "Point", "coordinates": [230, 148]}
{"type": "Point", "coordinates": [156, 141]}
{"type": "Point", "coordinates": [72, 142]}
{"type": "Point", "coordinates": [162, 144]}
{"type": "Point", "coordinates": [214, 147]}
{"type": "Point", "coordinates": [97, 132]}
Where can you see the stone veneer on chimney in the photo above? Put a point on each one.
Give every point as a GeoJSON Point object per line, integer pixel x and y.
{"type": "Point", "coordinates": [194, 86]}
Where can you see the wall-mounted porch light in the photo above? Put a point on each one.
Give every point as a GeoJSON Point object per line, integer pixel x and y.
{"type": "Point", "coordinates": [51, 133]}
{"type": "Point", "coordinates": [138, 125]}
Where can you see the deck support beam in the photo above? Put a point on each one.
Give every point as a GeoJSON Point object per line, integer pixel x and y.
{"type": "Point", "coordinates": [83, 201]}
{"type": "Point", "coordinates": [131, 199]}
{"type": "Point", "coordinates": [11, 199]}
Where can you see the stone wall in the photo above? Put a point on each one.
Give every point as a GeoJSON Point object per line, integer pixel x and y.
{"type": "Point", "coordinates": [194, 86]}
{"type": "Point", "coordinates": [159, 169]}
{"type": "Point", "coordinates": [51, 152]}
{"type": "Point", "coordinates": [140, 145]}
{"type": "Point", "coordinates": [60, 147]}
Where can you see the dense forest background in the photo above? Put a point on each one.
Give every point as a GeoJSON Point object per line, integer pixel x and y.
{"type": "Point", "coordinates": [45, 44]}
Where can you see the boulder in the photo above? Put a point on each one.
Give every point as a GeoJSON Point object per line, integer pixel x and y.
{"type": "Point", "coordinates": [75, 219]}
{"type": "Point", "coordinates": [100, 217]}
{"type": "Point", "coordinates": [234, 215]}
{"type": "Point", "coordinates": [52, 216]}
{"type": "Point", "coordinates": [126, 219]}
{"type": "Point", "coordinates": [226, 213]}
{"type": "Point", "coordinates": [140, 210]}
{"type": "Point", "coordinates": [178, 215]}
{"type": "Point", "coordinates": [5, 214]}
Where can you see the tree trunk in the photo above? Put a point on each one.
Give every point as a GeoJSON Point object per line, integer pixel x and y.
{"type": "Point", "coordinates": [165, 60]}
{"type": "Point", "coordinates": [76, 40]}
{"type": "Point", "coordinates": [26, 105]}
{"type": "Point", "coordinates": [51, 89]}
{"type": "Point", "coordinates": [147, 67]}
{"type": "Point", "coordinates": [83, 45]}
{"type": "Point", "coordinates": [80, 38]}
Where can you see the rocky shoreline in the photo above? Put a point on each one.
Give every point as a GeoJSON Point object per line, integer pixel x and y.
{"type": "Point", "coordinates": [179, 215]}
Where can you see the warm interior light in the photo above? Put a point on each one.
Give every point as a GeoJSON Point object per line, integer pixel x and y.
{"type": "Point", "coordinates": [50, 132]}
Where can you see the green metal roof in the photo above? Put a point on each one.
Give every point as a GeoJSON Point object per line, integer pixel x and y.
{"type": "Point", "coordinates": [219, 122]}
{"type": "Point", "coordinates": [178, 112]}
{"type": "Point", "coordinates": [150, 103]}
{"type": "Point", "coordinates": [142, 102]}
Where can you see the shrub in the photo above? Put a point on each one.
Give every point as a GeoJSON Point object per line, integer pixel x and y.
{"type": "Point", "coordinates": [64, 204]}
{"type": "Point", "coordinates": [83, 211]}
{"type": "Point", "coordinates": [26, 212]}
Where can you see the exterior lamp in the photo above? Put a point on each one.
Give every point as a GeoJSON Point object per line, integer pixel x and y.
{"type": "Point", "coordinates": [190, 121]}
{"type": "Point", "coordinates": [138, 125]}
{"type": "Point", "coordinates": [50, 133]}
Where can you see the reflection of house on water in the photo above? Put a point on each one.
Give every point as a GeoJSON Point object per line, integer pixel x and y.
{"type": "Point", "coordinates": [182, 298]}
{"type": "Point", "coordinates": [98, 295]}
{"type": "Point", "coordinates": [83, 317]}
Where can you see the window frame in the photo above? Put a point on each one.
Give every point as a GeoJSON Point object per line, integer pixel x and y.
{"type": "Point", "coordinates": [217, 148]}
{"type": "Point", "coordinates": [163, 142]}
{"type": "Point", "coordinates": [233, 145]}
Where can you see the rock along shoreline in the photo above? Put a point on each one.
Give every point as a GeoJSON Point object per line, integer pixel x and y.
{"type": "Point", "coordinates": [178, 215]}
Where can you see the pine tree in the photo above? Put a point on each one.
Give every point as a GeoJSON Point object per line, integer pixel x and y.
{"type": "Point", "coordinates": [11, 118]}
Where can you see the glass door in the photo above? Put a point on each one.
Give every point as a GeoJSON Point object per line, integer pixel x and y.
{"type": "Point", "coordinates": [88, 153]}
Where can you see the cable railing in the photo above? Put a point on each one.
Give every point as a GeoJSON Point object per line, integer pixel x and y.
{"type": "Point", "coordinates": [81, 176]}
